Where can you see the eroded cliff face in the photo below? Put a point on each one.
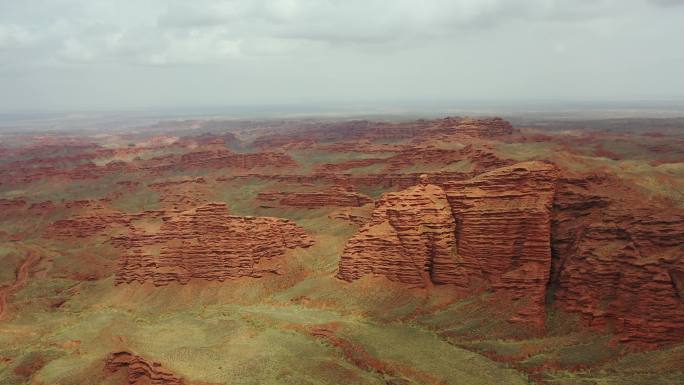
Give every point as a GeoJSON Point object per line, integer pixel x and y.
{"type": "Point", "coordinates": [503, 233]}
{"type": "Point", "coordinates": [490, 232]}
{"type": "Point", "coordinates": [140, 371]}
{"type": "Point", "coordinates": [205, 243]}
{"type": "Point", "coordinates": [409, 238]}
{"type": "Point", "coordinates": [481, 128]}
{"type": "Point", "coordinates": [529, 234]}
{"type": "Point", "coordinates": [334, 196]}
{"type": "Point", "coordinates": [617, 265]}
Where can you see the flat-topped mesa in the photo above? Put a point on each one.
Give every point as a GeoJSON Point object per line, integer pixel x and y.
{"type": "Point", "coordinates": [140, 371]}
{"type": "Point", "coordinates": [618, 265]}
{"type": "Point", "coordinates": [206, 243]}
{"type": "Point", "coordinates": [480, 128]}
{"type": "Point", "coordinates": [409, 238]}
{"type": "Point", "coordinates": [335, 196]}
{"type": "Point", "coordinates": [503, 233]}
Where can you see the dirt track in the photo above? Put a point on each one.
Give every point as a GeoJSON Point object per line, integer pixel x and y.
{"type": "Point", "coordinates": [21, 278]}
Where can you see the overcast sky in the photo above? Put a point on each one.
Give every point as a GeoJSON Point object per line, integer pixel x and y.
{"type": "Point", "coordinates": [124, 54]}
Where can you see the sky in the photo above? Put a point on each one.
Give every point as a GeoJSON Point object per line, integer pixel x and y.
{"type": "Point", "coordinates": [151, 54]}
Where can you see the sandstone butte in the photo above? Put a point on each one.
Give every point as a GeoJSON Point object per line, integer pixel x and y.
{"type": "Point", "coordinates": [523, 230]}
{"type": "Point", "coordinates": [205, 243]}
{"type": "Point", "coordinates": [489, 231]}
{"type": "Point", "coordinates": [409, 238]}
{"type": "Point", "coordinates": [139, 371]}
{"type": "Point", "coordinates": [335, 196]}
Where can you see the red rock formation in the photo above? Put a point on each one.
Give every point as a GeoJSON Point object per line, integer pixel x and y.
{"type": "Point", "coordinates": [96, 220]}
{"type": "Point", "coordinates": [181, 194]}
{"type": "Point", "coordinates": [216, 159]}
{"type": "Point", "coordinates": [11, 204]}
{"type": "Point", "coordinates": [349, 165]}
{"type": "Point", "coordinates": [484, 160]}
{"type": "Point", "coordinates": [362, 130]}
{"type": "Point", "coordinates": [492, 231]}
{"type": "Point", "coordinates": [335, 196]}
{"type": "Point", "coordinates": [225, 158]}
{"type": "Point", "coordinates": [349, 217]}
{"type": "Point", "coordinates": [206, 243]}
{"type": "Point", "coordinates": [503, 233]}
{"type": "Point", "coordinates": [139, 370]}
{"type": "Point", "coordinates": [409, 238]}
{"type": "Point", "coordinates": [617, 265]}
{"type": "Point", "coordinates": [481, 128]}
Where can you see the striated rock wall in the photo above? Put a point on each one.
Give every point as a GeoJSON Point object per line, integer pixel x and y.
{"type": "Point", "coordinates": [503, 232]}
{"type": "Point", "coordinates": [335, 196]}
{"type": "Point", "coordinates": [139, 370]}
{"type": "Point", "coordinates": [92, 222]}
{"type": "Point", "coordinates": [617, 265]}
{"type": "Point", "coordinates": [492, 231]}
{"type": "Point", "coordinates": [409, 238]}
{"type": "Point", "coordinates": [522, 230]}
{"type": "Point", "coordinates": [206, 243]}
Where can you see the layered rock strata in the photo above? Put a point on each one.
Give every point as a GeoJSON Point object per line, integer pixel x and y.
{"type": "Point", "coordinates": [206, 243]}
{"type": "Point", "coordinates": [618, 266]}
{"type": "Point", "coordinates": [503, 233]}
{"type": "Point", "coordinates": [140, 371]}
{"type": "Point", "coordinates": [409, 238]}
{"type": "Point", "coordinates": [492, 231]}
{"type": "Point", "coordinates": [335, 196]}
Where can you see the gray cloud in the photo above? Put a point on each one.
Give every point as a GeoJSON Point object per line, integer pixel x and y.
{"type": "Point", "coordinates": [267, 39]}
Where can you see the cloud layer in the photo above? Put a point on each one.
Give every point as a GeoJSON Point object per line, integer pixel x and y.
{"type": "Point", "coordinates": [257, 44]}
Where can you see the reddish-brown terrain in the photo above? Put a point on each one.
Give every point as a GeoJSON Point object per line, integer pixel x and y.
{"type": "Point", "coordinates": [335, 196]}
{"type": "Point", "coordinates": [205, 242]}
{"type": "Point", "coordinates": [409, 238]}
{"type": "Point", "coordinates": [140, 371]}
{"type": "Point", "coordinates": [618, 264]}
{"type": "Point", "coordinates": [382, 248]}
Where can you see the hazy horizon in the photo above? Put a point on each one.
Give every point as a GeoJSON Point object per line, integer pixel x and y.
{"type": "Point", "coordinates": [72, 55]}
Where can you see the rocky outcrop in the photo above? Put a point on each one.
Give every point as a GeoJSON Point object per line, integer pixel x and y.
{"type": "Point", "coordinates": [221, 158]}
{"type": "Point", "coordinates": [363, 130]}
{"type": "Point", "coordinates": [94, 221]}
{"type": "Point", "coordinates": [206, 243]}
{"type": "Point", "coordinates": [492, 231]}
{"type": "Point", "coordinates": [139, 370]}
{"type": "Point", "coordinates": [335, 196]}
{"type": "Point", "coordinates": [522, 229]}
{"type": "Point", "coordinates": [181, 194]}
{"type": "Point", "coordinates": [618, 266]}
{"type": "Point", "coordinates": [409, 238]}
{"type": "Point", "coordinates": [480, 128]}
{"type": "Point", "coordinates": [503, 233]}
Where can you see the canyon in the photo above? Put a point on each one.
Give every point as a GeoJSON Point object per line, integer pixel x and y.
{"type": "Point", "coordinates": [207, 251]}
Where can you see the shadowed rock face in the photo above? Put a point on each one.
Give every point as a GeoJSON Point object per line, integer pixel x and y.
{"type": "Point", "coordinates": [503, 233]}
{"type": "Point", "coordinates": [139, 370]}
{"type": "Point", "coordinates": [206, 243]}
{"type": "Point", "coordinates": [410, 238]}
{"type": "Point", "coordinates": [619, 266]}
{"type": "Point", "coordinates": [520, 229]}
